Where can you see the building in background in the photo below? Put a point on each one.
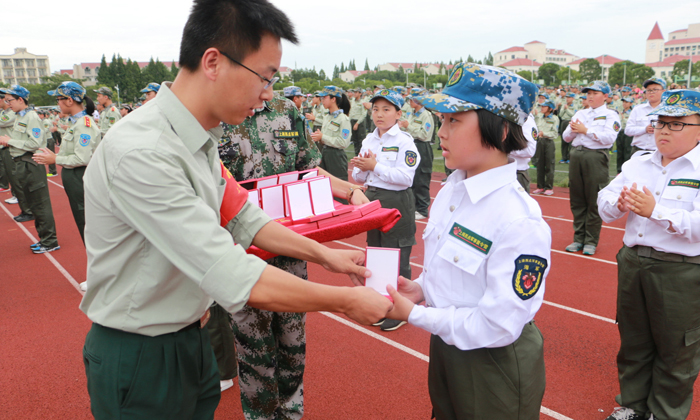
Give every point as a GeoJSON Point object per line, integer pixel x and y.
{"type": "Point", "coordinates": [662, 55]}
{"type": "Point", "coordinates": [23, 67]}
{"type": "Point", "coordinates": [536, 52]}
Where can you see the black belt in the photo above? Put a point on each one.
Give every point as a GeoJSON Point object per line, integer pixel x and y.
{"type": "Point", "coordinates": [27, 157]}
{"type": "Point", "coordinates": [582, 148]}
{"type": "Point", "coordinates": [649, 252]}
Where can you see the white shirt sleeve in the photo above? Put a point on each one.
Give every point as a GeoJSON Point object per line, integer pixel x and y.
{"type": "Point", "coordinates": [400, 173]}
{"type": "Point", "coordinates": [607, 199]}
{"type": "Point", "coordinates": [637, 123]}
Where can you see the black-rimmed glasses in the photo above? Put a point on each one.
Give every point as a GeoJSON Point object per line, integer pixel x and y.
{"type": "Point", "coordinates": [269, 83]}
{"type": "Point", "coordinates": [672, 125]}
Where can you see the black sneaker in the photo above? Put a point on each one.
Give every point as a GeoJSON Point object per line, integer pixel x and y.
{"type": "Point", "coordinates": [391, 325]}
{"type": "Point", "coordinates": [378, 323]}
{"type": "Point", "coordinates": [42, 249]}
{"type": "Point", "coordinates": [23, 217]}
{"type": "Point", "coordinates": [624, 413]}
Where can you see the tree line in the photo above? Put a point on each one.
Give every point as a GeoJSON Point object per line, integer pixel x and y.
{"type": "Point", "coordinates": [130, 78]}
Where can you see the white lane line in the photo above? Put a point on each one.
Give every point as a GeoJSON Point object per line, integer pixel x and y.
{"type": "Point", "coordinates": [414, 353]}
{"type": "Point", "coordinates": [549, 196]}
{"type": "Point", "coordinates": [56, 264]}
{"type": "Point", "coordinates": [583, 256]}
{"type": "Point", "coordinates": [571, 221]}
{"type": "Point", "coordinates": [362, 249]}
{"type": "Point", "coordinates": [56, 184]}
{"type": "Point", "coordinates": [578, 311]}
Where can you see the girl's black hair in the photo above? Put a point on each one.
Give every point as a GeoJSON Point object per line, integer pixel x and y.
{"type": "Point", "coordinates": [343, 103]}
{"type": "Point", "coordinates": [492, 128]}
{"type": "Point", "coordinates": [89, 105]}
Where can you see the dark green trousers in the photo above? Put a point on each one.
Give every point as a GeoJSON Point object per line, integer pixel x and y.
{"type": "Point", "coordinates": [588, 174]}
{"type": "Point", "coordinates": [222, 342]}
{"type": "Point", "coordinates": [9, 165]}
{"type": "Point", "coordinates": [32, 180]}
{"type": "Point", "coordinates": [504, 383]}
{"type": "Point", "coordinates": [658, 319]}
{"type": "Point", "coordinates": [73, 184]}
{"type": "Point", "coordinates": [545, 163]}
{"type": "Point", "coordinates": [524, 180]}
{"type": "Point", "coordinates": [335, 161]}
{"type": "Point", "coordinates": [51, 145]}
{"type": "Point", "coordinates": [403, 234]}
{"type": "Point", "coordinates": [358, 135]}
{"type": "Point", "coordinates": [421, 180]}
{"type": "Point", "coordinates": [565, 147]}
{"type": "Point", "coordinates": [623, 144]}
{"type": "Point", "coordinates": [4, 178]}
{"type": "Point", "coordinates": [132, 376]}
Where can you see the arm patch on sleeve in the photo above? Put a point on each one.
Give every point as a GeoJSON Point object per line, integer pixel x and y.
{"type": "Point", "coordinates": [528, 275]}
{"type": "Point", "coordinates": [411, 158]}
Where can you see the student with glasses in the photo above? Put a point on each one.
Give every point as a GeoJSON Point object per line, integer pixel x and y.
{"type": "Point", "coordinates": [639, 122]}
{"type": "Point", "coordinates": [658, 314]}
{"type": "Point", "coordinates": [26, 138]}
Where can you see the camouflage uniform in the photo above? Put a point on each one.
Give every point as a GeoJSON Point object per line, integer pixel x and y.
{"type": "Point", "coordinates": [271, 345]}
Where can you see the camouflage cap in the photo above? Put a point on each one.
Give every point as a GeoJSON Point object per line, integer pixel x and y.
{"type": "Point", "coordinates": [628, 99]}
{"type": "Point", "coordinates": [626, 89]}
{"type": "Point", "coordinates": [400, 89]}
{"type": "Point", "coordinates": [16, 90]}
{"type": "Point", "coordinates": [391, 96]}
{"type": "Point", "coordinates": [104, 90]}
{"type": "Point", "coordinates": [543, 95]}
{"type": "Point", "coordinates": [550, 104]}
{"type": "Point", "coordinates": [477, 86]}
{"type": "Point", "coordinates": [69, 90]}
{"type": "Point", "coordinates": [660, 82]}
{"type": "Point", "coordinates": [598, 85]}
{"type": "Point", "coordinates": [152, 87]}
{"type": "Point", "coordinates": [570, 95]}
{"type": "Point", "coordinates": [331, 91]}
{"type": "Point", "coordinates": [292, 91]}
{"type": "Point", "coordinates": [678, 103]}
{"type": "Point", "coordinates": [379, 86]}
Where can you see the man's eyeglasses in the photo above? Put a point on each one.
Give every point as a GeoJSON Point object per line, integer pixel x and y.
{"type": "Point", "coordinates": [653, 90]}
{"type": "Point", "coordinates": [269, 82]}
{"type": "Point", "coordinates": [8, 100]}
{"type": "Point", "coordinates": [672, 125]}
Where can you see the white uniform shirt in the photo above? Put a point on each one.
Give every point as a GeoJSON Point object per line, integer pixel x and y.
{"type": "Point", "coordinates": [397, 160]}
{"type": "Point", "coordinates": [522, 157]}
{"type": "Point", "coordinates": [484, 233]}
{"type": "Point", "coordinates": [675, 188]}
{"type": "Point", "coordinates": [602, 123]}
{"type": "Point", "coordinates": [637, 126]}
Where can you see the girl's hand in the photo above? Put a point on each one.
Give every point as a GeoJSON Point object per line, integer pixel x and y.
{"type": "Point", "coordinates": [365, 163]}
{"type": "Point", "coordinates": [317, 136]}
{"type": "Point", "coordinates": [310, 117]}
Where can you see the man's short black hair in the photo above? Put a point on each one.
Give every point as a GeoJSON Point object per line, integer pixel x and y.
{"type": "Point", "coordinates": [235, 27]}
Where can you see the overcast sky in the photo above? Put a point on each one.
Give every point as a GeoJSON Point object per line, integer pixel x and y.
{"type": "Point", "coordinates": [334, 31]}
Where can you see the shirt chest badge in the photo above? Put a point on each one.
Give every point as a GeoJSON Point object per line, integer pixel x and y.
{"type": "Point", "coordinates": [471, 238]}
{"type": "Point", "coordinates": [690, 183]}
{"type": "Point", "coordinates": [528, 274]}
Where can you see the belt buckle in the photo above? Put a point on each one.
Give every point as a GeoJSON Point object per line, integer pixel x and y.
{"type": "Point", "coordinates": [204, 319]}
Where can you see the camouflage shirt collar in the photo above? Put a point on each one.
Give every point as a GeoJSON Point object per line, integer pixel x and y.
{"type": "Point", "coordinates": [22, 112]}
{"type": "Point", "coordinates": [336, 113]}
{"type": "Point", "coordinates": [74, 118]}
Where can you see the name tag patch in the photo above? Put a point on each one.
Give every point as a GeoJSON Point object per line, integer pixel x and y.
{"type": "Point", "coordinates": [528, 274]}
{"type": "Point", "coordinates": [335, 124]}
{"type": "Point", "coordinates": [602, 117]}
{"type": "Point", "coordinates": [690, 183]}
{"type": "Point", "coordinates": [390, 149]}
{"type": "Point", "coordinates": [285, 134]}
{"type": "Point", "coordinates": [470, 238]}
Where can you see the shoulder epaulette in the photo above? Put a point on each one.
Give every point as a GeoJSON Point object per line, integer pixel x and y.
{"type": "Point", "coordinates": [87, 122]}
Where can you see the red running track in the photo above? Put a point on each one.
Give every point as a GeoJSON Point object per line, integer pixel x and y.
{"type": "Point", "coordinates": [353, 372]}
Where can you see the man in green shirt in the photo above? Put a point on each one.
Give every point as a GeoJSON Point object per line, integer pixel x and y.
{"type": "Point", "coordinates": [110, 115]}
{"type": "Point", "coordinates": [7, 120]}
{"type": "Point", "coordinates": [157, 254]}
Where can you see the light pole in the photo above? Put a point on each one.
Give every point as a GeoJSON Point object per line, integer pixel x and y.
{"type": "Point", "coordinates": [602, 69]}
{"type": "Point", "coordinates": [569, 75]}
{"type": "Point", "coordinates": [690, 68]}
{"type": "Point", "coordinates": [118, 101]}
{"type": "Point", "coordinates": [624, 74]}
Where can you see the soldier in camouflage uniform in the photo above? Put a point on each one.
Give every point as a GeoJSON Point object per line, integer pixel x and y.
{"type": "Point", "coordinates": [110, 115]}
{"type": "Point", "coordinates": [271, 345]}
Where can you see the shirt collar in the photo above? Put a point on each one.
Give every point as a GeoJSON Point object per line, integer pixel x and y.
{"type": "Point", "coordinates": [479, 186]}
{"type": "Point", "coordinates": [693, 156]}
{"type": "Point", "coordinates": [336, 113]}
{"type": "Point", "coordinates": [602, 107]}
{"type": "Point", "coordinates": [22, 112]}
{"type": "Point", "coordinates": [185, 125]}
{"type": "Point", "coordinates": [74, 118]}
{"type": "Point", "coordinates": [417, 113]}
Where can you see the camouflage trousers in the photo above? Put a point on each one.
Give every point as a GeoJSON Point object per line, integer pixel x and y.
{"type": "Point", "coordinates": [271, 356]}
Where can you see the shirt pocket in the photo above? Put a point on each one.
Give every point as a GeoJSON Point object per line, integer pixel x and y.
{"type": "Point", "coordinates": [388, 157]}
{"type": "Point", "coordinates": [679, 197]}
{"type": "Point", "coordinates": [461, 265]}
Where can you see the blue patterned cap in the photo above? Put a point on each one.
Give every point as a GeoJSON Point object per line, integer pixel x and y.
{"type": "Point", "coordinates": [390, 95]}
{"type": "Point", "coordinates": [571, 95]}
{"type": "Point", "coordinates": [69, 90]}
{"type": "Point", "coordinates": [628, 99]}
{"type": "Point", "coordinates": [292, 91]}
{"type": "Point", "coordinates": [678, 103]}
{"type": "Point", "coordinates": [477, 86]}
{"type": "Point", "coordinates": [626, 89]}
{"type": "Point", "coordinates": [543, 94]}
{"type": "Point", "coordinates": [331, 91]}
{"type": "Point", "coordinates": [152, 87]}
{"type": "Point", "coordinates": [660, 82]}
{"type": "Point", "coordinates": [16, 90]}
{"type": "Point", "coordinates": [549, 104]}
{"type": "Point", "coordinates": [400, 89]}
{"type": "Point", "coordinates": [598, 85]}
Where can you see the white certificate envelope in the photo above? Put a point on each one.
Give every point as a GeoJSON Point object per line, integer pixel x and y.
{"type": "Point", "coordinates": [272, 199]}
{"type": "Point", "coordinates": [299, 200]}
{"type": "Point", "coordinates": [288, 177]}
{"type": "Point", "coordinates": [254, 197]}
{"type": "Point", "coordinates": [310, 174]}
{"type": "Point", "coordinates": [268, 181]}
{"type": "Point", "coordinates": [384, 265]}
{"type": "Point", "coordinates": [321, 195]}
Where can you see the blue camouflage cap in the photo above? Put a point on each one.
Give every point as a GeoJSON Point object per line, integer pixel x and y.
{"type": "Point", "coordinates": [400, 89]}
{"type": "Point", "coordinates": [678, 103]}
{"type": "Point", "coordinates": [331, 91]}
{"type": "Point", "coordinates": [628, 99]}
{"type": "Point", "coordinates": [478, 86]}
{"type": "Point", "coordinates": [69, 90]}
{"type": "Point", "coordinates": [543, 94]}
{"type": "Point", "coordinates": [152, 87]}
{"type": "Point", "coordinates": [598, 85]}
{"type": "Point", "coordinates": [16, 90]}
{"type": "Point", "coordinates": [626, 89]}
{"type": "Point", "coordinates": [390, 95]}
{"type": "Point", "coordinates": [292, 91]}
{"type": "Point", "coordinates": [549, 104]}
{"type": "Point", "coordinates": [571, 95]}
{"type": "Point", "coordinates": [660, 82]}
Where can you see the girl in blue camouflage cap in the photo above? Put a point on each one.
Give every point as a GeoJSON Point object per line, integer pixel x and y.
{"type": "Point", "coordinates": [335, 132]}
{"type": "Point", "coordinates": [487, 254]}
